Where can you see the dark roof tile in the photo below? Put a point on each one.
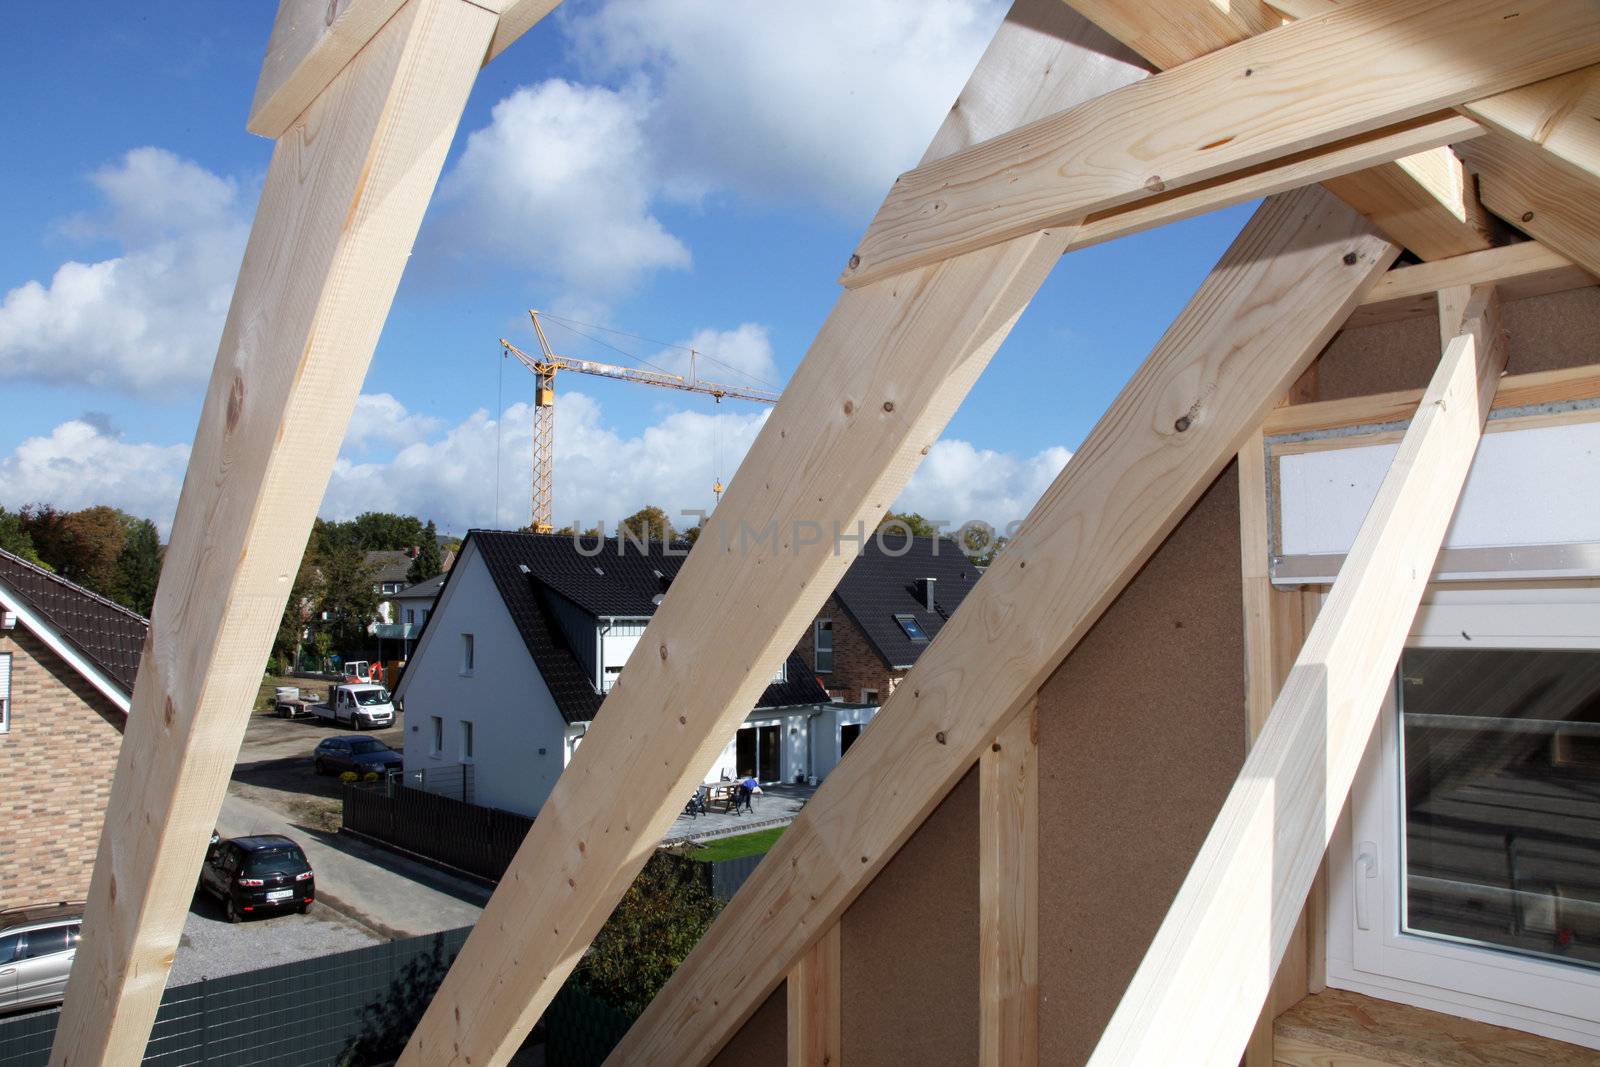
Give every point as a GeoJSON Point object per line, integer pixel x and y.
{"type": "Point", "coordinates": [108, 634]}
{"type": "Point", "coordinates": [886, 580]}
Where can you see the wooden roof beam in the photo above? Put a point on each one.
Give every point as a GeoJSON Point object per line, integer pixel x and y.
{"type": "Point", "coordinates": [1540, 170]}
{"type": "Point", "coordinates": [1248, 104]}
{"type": "Point", "coordinates": [338, 213]}
{"type": "Point", "coordinates": [1266, 310]}
{"type": "Point", "coordinates": [1424, 200]}
{"type": "Point", "coordinates": [1518, 271]}
{"type": "Point", "coordinates": [876, 388]}
{"type": "Point", "coordinates": [1200, 987]}
{"type": "Point", "coordinates": [313, 40]}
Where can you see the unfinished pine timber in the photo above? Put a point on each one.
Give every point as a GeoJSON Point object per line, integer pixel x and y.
{"type": "Point", "coordinates": [1517, 271]}
{"type": "Point", "coordinates": [1422, 199]}
{"type": "Point", "coordinates": [1254, 101]}
{"type": "Point", "coordinates": [339, 210]}
{"type": "Point", "coordinates": [1272, 637]}
{"type": "Point", "coordinates": [313, 40]}
{"type": "Point", "coordinates": [1544, 196]}
{"type": "Point", "coordinates": [1008, 895]}
{"type": "Point", "coordinates": [816, 1005]}
{"type": "Point", "coordinates": [1385, 409]}
{"type": "Point", "coordinates": [1269, 306]}
{"type": "Point", "coordinates": [1561, 116]}
{"type": "Point", "coordinates": [1200, 987]}
{"type": "Point", "coordinates": [872, 395]}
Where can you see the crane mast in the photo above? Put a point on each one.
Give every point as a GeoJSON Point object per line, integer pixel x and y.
{"type": "Point", "coordinates": [544, 368]}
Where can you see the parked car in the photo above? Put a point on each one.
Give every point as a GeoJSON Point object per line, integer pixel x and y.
{"type": "Point", "coordinates": [264, 873]}
{"type": "Point", "coordinates": [359, 754]}
{"type": "Point", "coordinates": [37, 945]}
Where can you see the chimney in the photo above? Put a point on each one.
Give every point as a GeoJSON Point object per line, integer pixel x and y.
{"type": "Point", "coordinates": [928, 587]}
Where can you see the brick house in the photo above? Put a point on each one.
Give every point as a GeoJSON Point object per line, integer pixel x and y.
{"type": "Point", "coordinates": [67, 663]}
{"type": "Point", "coordinates": [888, 606]}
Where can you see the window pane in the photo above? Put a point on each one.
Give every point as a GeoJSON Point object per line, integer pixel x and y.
{"type": "Point", "coordinates": [1501, 752]}
{"type": "Point", "coordinates": [45, 942]}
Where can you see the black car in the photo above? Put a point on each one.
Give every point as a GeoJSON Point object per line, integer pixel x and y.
{"type": "Point", "coordinates": [264, 873]}
{"type": "Point", "coordinates": [350, 753]}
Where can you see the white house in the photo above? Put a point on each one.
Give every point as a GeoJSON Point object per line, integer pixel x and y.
{"type": "Point", "coordinates": [527, 636]}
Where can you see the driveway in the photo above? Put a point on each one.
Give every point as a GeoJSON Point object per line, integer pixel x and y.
{"type": "Point", "coordinates": [212, 947]}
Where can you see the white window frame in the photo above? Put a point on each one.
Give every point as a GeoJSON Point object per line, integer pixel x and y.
{"type": "Point", "coordinates": [816, 645]}
{"type": "Point", "coordinates": [469, 654]}
{"type": "Point", "coordinates": [5, 692]}
{"type": "Point", "coordinates": [468, 737]}
{"type": "Point", "coordinates": [1556, 1000]}
{"type": "Point", "coordinates": [436, 739]}
{"type": "Point", "coordinates": [869, 696]}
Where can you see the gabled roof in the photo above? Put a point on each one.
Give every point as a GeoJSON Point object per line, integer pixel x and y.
{"type": "Point", "coordinates": [106, 634]}
{"type": "Point", "coordinates": [391, 565]}
{"type": "Point", "coordinates": [886, 581]}
{"type": "Point", "coordinates": [429, 588]}
{"type": "Point", "coordinates": [616, 581]}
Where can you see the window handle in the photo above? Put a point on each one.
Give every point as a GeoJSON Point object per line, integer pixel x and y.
{"type": "Point", "coordinates": [1366, 871]}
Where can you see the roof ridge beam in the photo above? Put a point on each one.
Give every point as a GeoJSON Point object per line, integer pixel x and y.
{"type": "Point", "coordinates": [1191, 123]}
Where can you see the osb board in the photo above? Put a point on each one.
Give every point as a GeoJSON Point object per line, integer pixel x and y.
{"type": "Point", "coordinates": [1338, 1028]}
{"type": "Point", "coordinates": [1544, 333]}
{"type": "Point", "coordinates": [909, 947]}
{"type": "Point", "coordinates": [764, 1037]}
{"type": "Point", "coordinates": [1141, 734]}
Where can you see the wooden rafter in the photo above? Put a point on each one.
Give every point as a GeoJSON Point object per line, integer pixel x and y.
{"type": "Point", "coordinates": [1273, 301]}
{"type": "Point", "coordinates": [1008, 895]}
{"type": "Point", "coordinates": [1245, 105]}
{"type": "Point", "coordinates": [872, 395]}
{"type": "Point", "coordinates": [1196, 996]}
{"type": "Point", "coordinates": [313, 40]}
{"type": "Point", "coordinates": [341, 205]}
{"type": "Point", "coordinates": [1422, 199]}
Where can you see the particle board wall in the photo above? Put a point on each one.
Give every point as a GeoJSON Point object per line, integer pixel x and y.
{"type": "Point", "coordinates": [1544, 333]}
{"type": "Point", "coordinates": [764, 1038]}
{"type": "Point", "coordinates": [909, 947]}
{"type": "Point", "coordinates": [1141, 734]}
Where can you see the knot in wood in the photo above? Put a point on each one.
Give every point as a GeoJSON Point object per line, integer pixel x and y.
{"type": "Point", "coordinates": [939, 737]}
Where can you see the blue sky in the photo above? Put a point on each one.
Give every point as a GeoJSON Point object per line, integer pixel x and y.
{"type": "Point", "coordinates": [687, 170]}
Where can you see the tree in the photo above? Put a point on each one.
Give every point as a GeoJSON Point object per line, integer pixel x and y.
{"type": "Point", "coordinates": [138, 566]}
{"type": "Point", "coordinates": [661, 918]}
{"type": "Point", "coordinates": [981, 543]}
{"type": "Point", "coordinates": [649, 523]}
{"type": "Point", "coordinates": [298, 612]}
{"type": "Point", "coordinates": [376, 531]}
{"type": "Point", "coordinates": [81, 546]}
{"type": "Point", "coordinates": [349, 596]}
{"type": "Point", "coordinates": [15, 539]}
{"type": "Point", "coordinates": [919, 526]}
{"type": "Point", "coordinates": [428, 561]}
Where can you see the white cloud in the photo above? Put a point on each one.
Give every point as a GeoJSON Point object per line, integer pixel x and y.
{"type": "Point", "coordinates": [958, 482]}
{"type": "Point", "coordinates": [741, 356]}
{"type": "Point", "coordinates": [561, 181]}
{"type": "Point", "coordinates": [826, 100]}
{"type": "Point", "coordinates": [146, 320]}
{"type": "Point", "coordinates": [379, 418]}
{"type": "Point", "coordinates": [83, 462]}
{"type": "Point", "coordinates": [449, 474]}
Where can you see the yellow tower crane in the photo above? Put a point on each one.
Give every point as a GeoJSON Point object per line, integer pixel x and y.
{"type": "Point", "coordinates": [544, 368]}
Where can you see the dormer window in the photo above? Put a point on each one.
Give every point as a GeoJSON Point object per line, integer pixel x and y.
{"type": "Point", "coordinates": [913, 629]}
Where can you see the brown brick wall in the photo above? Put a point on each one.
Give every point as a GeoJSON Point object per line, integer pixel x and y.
{"type": "Point", "coordinates": [856, 664]}
{"type": "Point", "coordinates": [56, 763]}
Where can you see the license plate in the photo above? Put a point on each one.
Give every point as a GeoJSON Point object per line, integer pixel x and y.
{"type": "Point", "coordinates": [280, 894]}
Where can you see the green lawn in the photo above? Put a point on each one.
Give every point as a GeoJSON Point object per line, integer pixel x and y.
{"type": "Point", "coordinates": [732, 848]}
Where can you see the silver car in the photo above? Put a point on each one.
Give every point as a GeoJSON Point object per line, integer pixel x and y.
{"type": "Point", "coordinates": [37, 945]}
